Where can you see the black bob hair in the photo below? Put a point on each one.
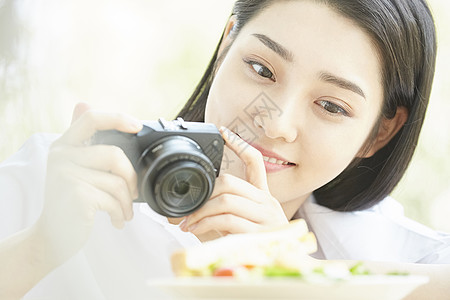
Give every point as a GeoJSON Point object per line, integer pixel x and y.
{"type": "Point", "coordinates": [403, 32]}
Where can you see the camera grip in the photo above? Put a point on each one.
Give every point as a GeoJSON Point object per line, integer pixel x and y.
{"type": "Point", "coordinates": [125, 141]}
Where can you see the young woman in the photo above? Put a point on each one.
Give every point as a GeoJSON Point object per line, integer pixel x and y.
{"type": "Point", "coordinates": [323, 101]}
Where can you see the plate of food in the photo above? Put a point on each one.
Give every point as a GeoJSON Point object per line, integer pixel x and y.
{"type": "Point", "coordinates": [275, 265]}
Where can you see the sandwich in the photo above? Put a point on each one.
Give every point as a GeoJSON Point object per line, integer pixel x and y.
{"type": "Point", "coordinates": [281, 252]}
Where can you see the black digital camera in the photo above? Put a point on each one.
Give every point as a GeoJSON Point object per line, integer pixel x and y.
{"type": "Point", "coordinates": [176, 162]}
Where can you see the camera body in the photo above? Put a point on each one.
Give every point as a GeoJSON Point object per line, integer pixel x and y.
{"type": "Point", "coordinates": [176, 162]}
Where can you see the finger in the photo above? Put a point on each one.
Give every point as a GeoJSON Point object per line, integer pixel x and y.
{"type": "Point", "coordinates": [109, 183]}
{"type": "Point", "coordinates": [107, 203]}
{"type": "Point", "coordinates": [224, 223]}
{"type": "Point", "coordinates": [104, 158]}
{"type": "Point", "coordinates": [92, 121]}
{"type": "Point", "coordinates": [255, 170]}
{"type": "Point", "coordinates": [95, 200]}
{"type": "Point", "coordinates": [79, 109]}
{"type": "Point", "coordinates": [226, 204]}
{"type": "Point", "coordinates": [229, 184]}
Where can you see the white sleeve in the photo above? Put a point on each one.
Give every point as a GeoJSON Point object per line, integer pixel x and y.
{"type": "Point", "coordinates": [114, 264]}
{"type": "Point", "coordinates": [22, 178]}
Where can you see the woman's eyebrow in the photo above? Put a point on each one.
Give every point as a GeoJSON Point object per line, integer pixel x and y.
{"type": "Point", "coordinates": [324, 76]}
{"type": "Point", "coordinates": [342, 83]}
{"type": "Point", "coordinates": [276, 47]}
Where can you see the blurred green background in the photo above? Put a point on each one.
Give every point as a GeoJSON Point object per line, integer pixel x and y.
{"type": "Point", "coordinates": [144, 57]}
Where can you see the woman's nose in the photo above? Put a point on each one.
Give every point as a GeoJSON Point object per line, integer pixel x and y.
{"type": "Point", "coordinates": [278, 126]}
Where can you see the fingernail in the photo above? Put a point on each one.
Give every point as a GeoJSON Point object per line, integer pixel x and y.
{"type": "Point", "coordinates": [226, 133]}
{"type": "Point", "coordinates": [136, 124]}
{"type": "Point", "coordinates": [118, 223]}
{"type": "Point", "coordinates": [192, 227]}
{"type": "Point", "coordinates": [182, 224]}
{"type": "Point", "coordinates": [130, 215]}
{"type": "Point", "coordinates": [135, 194]}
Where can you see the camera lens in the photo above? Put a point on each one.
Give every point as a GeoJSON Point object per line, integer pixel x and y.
{"type": "Point", "coordinates": [181, 187]}
{"type": "Point", "coordinates": [177, 177]}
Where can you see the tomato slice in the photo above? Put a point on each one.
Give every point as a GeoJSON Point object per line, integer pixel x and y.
{"type": "Point", "coordinates": [223, 272]}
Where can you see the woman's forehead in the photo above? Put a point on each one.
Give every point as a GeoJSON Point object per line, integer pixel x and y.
{"type": "Point", "coordinates": [297, 20]}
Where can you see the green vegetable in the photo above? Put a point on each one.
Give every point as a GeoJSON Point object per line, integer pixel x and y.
{"type": "Point", "coordinates": [359, 269]}
{"type": "Point", "coordinates": [278, 271]}
{"type": "Point", "coordinates": [398, 273]}
{"type": "Point", "coordinates": [319, 270]}
{"type": "Point", "coordinates": [214, 266]}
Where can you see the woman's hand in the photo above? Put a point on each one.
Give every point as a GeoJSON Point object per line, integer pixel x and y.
{"type": "Point", "coordinates": [236, 205]}
{"type": "Point", "coordinates": [83, 179]}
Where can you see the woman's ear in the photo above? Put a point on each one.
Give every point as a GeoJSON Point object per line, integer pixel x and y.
{"type": "Point", "coordinates": [388, 129]}
{"type": "Point", "coordinates": [227, 35]}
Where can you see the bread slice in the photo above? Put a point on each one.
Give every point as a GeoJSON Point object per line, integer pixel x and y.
{"type": "Point", "coordinates": [286, 248]}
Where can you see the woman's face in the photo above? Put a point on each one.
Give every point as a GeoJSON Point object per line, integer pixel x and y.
{"type": "Point", "coordinates": [302, 84]}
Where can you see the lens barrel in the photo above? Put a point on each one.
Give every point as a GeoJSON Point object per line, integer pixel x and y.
{"type": "Point", "coordinates": [176, 177]}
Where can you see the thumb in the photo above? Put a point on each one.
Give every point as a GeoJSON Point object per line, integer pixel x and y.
{"type": "Point", "coordinates": [79, 109]}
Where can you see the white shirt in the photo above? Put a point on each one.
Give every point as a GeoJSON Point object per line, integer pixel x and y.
{"type": "Point", "coordinates": [380, 233]}
{"type": "Point", "coordinates": [115, 264]}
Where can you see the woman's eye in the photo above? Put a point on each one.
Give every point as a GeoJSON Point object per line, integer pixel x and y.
{"type": "Point", "coordinates": [333, 108]}
{"type": "Point", "coordinates": [261, 70]}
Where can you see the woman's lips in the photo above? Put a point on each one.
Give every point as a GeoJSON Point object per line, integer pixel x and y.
{"type": "Point", "coordinates": [272, 161]}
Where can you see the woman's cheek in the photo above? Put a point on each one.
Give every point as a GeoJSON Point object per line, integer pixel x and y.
{"type": "Point", "coordinates": [231, 92]}
{"type": "Point", "coordinates": [223, 102]}
{"type": "Point", "coordinates": [329, 154]}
